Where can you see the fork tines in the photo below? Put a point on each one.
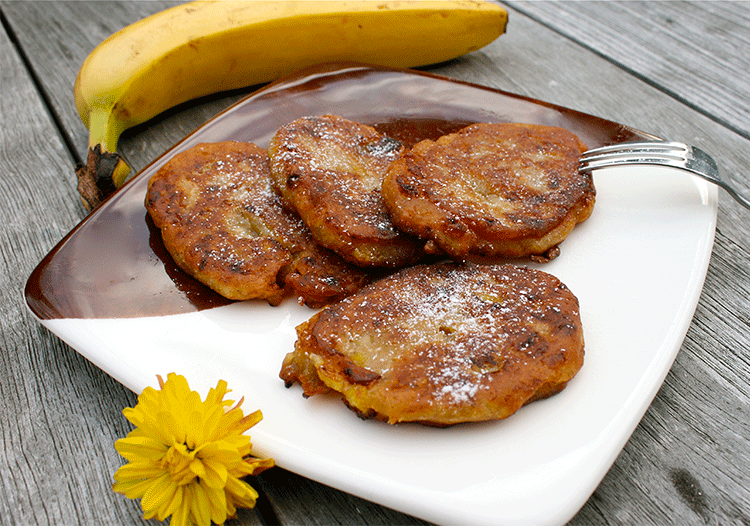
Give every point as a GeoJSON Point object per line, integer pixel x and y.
{"type": "Point", "coordinates": [672, 154]}
{"type": "Point", "coordinates": [634, 153]}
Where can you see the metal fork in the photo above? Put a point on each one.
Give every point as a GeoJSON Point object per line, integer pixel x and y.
{"type": "Point", "coordinates": [673, 154]}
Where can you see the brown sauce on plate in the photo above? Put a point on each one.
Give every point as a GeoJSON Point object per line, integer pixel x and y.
{"type": "Point", "coordinates": [114, 265]}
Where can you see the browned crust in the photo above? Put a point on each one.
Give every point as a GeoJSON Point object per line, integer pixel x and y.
{"type": "Point", "coordinates": [503, 190]}
{"type": "Point", "coordinates": [330, 170]}
{"type": "Point", "coordinates": [443, 344]}
{"type": "Point", "coordinates": [223, 224]}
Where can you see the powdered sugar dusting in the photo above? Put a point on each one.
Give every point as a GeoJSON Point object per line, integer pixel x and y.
{"type": "Point", "coordinates": [447, 329]}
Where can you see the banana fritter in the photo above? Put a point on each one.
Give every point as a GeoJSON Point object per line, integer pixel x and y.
{"type": "Point", "coordinates": [223, 224]}
{"type": "Point", "coordinates": [499, 190]}
{"type": "Point", "coordinates": [330, 170]}
{"type": "Point", "coordinates": [442, 344]}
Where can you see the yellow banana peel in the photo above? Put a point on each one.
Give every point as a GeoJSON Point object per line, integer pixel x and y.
{"type": "Point", "coordinates": [204, 47]}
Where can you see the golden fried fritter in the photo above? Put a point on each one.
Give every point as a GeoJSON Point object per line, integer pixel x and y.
{"type": "Point", "coordinates": [500, 190]}
{"type": "Point", "coordinates": [223, 224]}
{"type": "Point", "coordinates": [330, 170]}
{"type": "Point", "coordinates": [442, 344]}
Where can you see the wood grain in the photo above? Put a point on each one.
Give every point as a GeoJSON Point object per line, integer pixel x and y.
{"type": "Point", "coordinates": [686, 463]}
{"type": "Point", "coordinates": [60, 415]}
{"type": "Point", "coordinates": [72, 29]}
{"type": "Point", "coordinates": [696, 52]}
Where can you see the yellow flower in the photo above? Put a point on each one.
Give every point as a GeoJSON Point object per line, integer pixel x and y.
{"type": "Point", "coordinates": [187, 457]}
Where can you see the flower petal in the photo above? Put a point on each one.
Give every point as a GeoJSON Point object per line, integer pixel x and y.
{"type": "Point", "coordinates": [212, 418]}
{"type": "Point", "coordinates": [132, 489]}
{"type": "Point", "coordinates": [240, 492]}
{"type": "Point", "coordinates": [249, 421]}
{"type": "Point", "coordinates": [138, 470]}
{"type": "Point", "coordinates": [160, 492]}
{"type": "Point", "coordinates": [200, 506]}
{"type": "Point", "coordinates": [181, 516]}
{"type": "Point", "coordinates": [147, 424]}
{"type": "Point", "coordinates": [187, 457]}
{"type": "Point", "coordinates": [171, 504]}
{"type": "Point", "coordinates": [216, 395]}
{"type": "Point", "coordinates": [140, 446]}
{"type": "Point", "coordinates": [251, 466]}
{"type": "Point", "coordinates": [197, 467]}
{"type": "Point", "coordinates": [218, 500]}
{"type": "Point", "coordinates": [215, 475]}
{"type": "Point", "coordinates": [220, 451]}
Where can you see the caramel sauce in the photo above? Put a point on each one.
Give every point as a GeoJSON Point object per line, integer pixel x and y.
{"type": "Point", "coordinates": [114, 265]}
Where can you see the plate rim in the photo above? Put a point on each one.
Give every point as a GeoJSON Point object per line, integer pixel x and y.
{"type": "Point", "coordinates": [664, 366]}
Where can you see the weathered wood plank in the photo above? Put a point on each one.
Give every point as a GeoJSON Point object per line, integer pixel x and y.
{"type": "Point", "coordinates": [686, 462]}
{"type": "Point", "coordinates": [58, 36]}
{"type": "Point", "coordinates": [652, 480]}
{"type": "Point", "coordinates": [300, 501]}
{"type": "Point", "coordinates": [676, 464]}
{"type": "Point", "coordinates": [75, 41]}
{"type": "Point", "coordinates": [60, 415]}
{"type": "Point", "coordinates": [532, 61]}
{"type": "Point", "coordinates": [697, 52]}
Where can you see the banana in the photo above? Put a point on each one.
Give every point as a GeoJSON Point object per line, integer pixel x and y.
{"type": "Point", "coordinates": [204, 47]}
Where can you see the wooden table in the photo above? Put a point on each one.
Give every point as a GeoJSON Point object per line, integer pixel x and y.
{"type": "Point", "coordinates": [676, 69]}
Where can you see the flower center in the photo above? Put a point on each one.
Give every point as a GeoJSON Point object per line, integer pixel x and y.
{"type": "Point", "coordinates": [177, 462]}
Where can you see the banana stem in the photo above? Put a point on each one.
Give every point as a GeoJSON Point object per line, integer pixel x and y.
{"type": "Point", "coordinates": [105, 170]}
{"type": "Point", "coordinates": [104, 129]}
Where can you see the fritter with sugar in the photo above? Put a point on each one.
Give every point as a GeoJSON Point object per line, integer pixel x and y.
{"type": "Point", "coordinates": [498, 190]}
{"type": "Point", "coordinates": [330, 170]}
{"type": "Point", "coordinates": [443, 344]}
{"type": "Point", "coordinates": [223, 224]}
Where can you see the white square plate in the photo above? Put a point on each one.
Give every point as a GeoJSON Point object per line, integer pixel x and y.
{"type": "Point", "coordinates": [637, 267]}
